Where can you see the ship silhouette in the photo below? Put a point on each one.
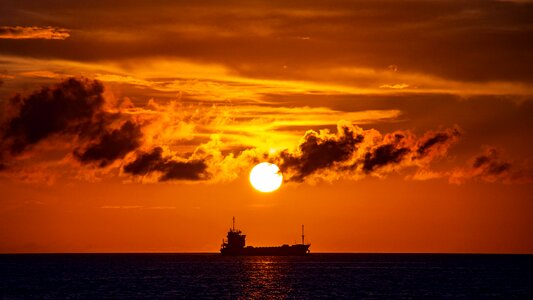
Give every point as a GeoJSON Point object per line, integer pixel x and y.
{"type": "Point", "coordinates": [235, 244]}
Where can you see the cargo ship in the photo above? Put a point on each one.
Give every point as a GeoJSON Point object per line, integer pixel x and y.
{"type": "Point", "coordinates": [235, 244]}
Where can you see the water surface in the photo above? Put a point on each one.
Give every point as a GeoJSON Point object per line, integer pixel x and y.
{"type": "Point", "coordinates": [363, 276]}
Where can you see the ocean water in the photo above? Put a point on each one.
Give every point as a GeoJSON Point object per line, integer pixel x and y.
{"type": "Point", "coordinates": [197, 276]}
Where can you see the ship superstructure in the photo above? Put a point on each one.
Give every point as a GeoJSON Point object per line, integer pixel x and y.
{"type": "Point", "coordinates": [235, 244]}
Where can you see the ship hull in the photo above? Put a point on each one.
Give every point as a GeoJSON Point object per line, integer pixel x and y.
{"type": "Point", "coordinates": [267, 251]}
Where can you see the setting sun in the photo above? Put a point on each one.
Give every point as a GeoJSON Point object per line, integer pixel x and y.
{"type": "Point", "coordinates": [266, 177]}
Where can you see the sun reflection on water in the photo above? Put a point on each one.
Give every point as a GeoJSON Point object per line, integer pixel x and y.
{"type": "Point", "coordinates": [266, 277]}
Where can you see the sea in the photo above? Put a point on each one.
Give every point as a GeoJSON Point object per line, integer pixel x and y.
{"type": "Point", "coordinates": [212, 276]}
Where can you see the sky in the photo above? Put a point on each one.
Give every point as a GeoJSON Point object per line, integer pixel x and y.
{"type": "Point", "coordinates": [398, 126]}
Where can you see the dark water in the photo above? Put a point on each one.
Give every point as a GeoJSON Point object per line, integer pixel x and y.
{"type": "Point", "coordinates": [360, 276]}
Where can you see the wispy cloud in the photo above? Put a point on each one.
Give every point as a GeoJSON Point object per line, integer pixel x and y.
{"type": "Point", "coordinates": [121, 207]}
{"type": "Point", "coordinates": [40, 74]}
{"type": "Point", "coordinates": [135, 207]}
{"type": "Point", "coordinates": [216, 83]}
{"type": "Point", "coordinates": [33, 32]}
{"type": "Point", "coordinates": [395, 86]}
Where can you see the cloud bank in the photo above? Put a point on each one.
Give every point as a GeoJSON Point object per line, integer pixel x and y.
{"type": "Point", "coordinates": [147, 144]}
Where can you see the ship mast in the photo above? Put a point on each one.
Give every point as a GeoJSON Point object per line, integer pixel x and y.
{"type": "Point", "coordinates": [303, 234]}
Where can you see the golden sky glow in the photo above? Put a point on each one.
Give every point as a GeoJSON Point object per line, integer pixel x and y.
{"type": "Point", "coordinates": [399, 126]}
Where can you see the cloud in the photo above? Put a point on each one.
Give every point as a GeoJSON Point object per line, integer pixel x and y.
{"type": "Point", "coordinates": [69, 107]}
{"type": "Point", "coordinates": [112, 145]}
{"type": "Point", "coordinates": [169, 169]}
{"type": "Point", "coordinates": [417, 35]}
{"type": "Point", "coordinates": [41, 74]}
{"type": "Point", "coordinates": [121, 206]}
{"type": "Point", "coordinates": [383, 155]}
{"type": "Point", "coordinates": [75, 112]}
{"type": "Point", "coordinates": [403, 149]}
{"type": "Point", "coordinates": [437, 143]}
{"type": "Point", "coordinates": [354, 152]}
{"type": "Point", "coordinates": [491, 167]}
{"type": "Point", "coordinates": [397, 86]}
{"type": "Point", "coordinates": [73, 109]}
{"type": "Point", "coordinates": [319, 151]}
{"type": "Point", "coordinates": [135, 207]}
{"type": "Point", "coordinates": [3, 77]}
{"type": "Point", "coordinates": [184, 142]}
{"type": "Point", "coordinates": [516, 1]}
{"type": "Point", "coordinates": [33, 32]}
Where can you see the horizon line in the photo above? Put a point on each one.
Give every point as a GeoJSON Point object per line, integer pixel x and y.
{"type": "Point", "coordinates": [316, 252]}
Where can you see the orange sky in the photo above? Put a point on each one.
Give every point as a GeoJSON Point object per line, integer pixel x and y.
{"type": "Point", "coordinates": [399, 126]}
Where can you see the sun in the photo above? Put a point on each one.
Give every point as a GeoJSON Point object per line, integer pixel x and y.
{"type": "Point", "coordinates": [266, 177]}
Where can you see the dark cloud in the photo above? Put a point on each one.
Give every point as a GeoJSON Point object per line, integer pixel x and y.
{"type": "Point", "coordinates": [170, 169]}
{"type": "Point", "coordinates": [490, 163]}
{"type": "Point", "coordinates": [320, 151]}
{"type": "Point", "coordinates": [355, 151]}
{"type": "Point", "coordinates": [400, 147]}
{"type": "Point", "coordinates": [145, 163]}
{"type": "Point", "coordinates": [438, 138]}
{"type": "Point", "coordinates": [383, 155]}
{"type": "Point", "coordinates": [112, 145]}
{"type": "Point", "coordinates": [73, 108]}
{"type": "Point", "coordinates": [174, 170]}
{"type": "Point", "coordinates": [435, 143]}
{"type": "Point", "coordinates": [70, 107]}
{"type": "Point", "coordinates": [491, 167]}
